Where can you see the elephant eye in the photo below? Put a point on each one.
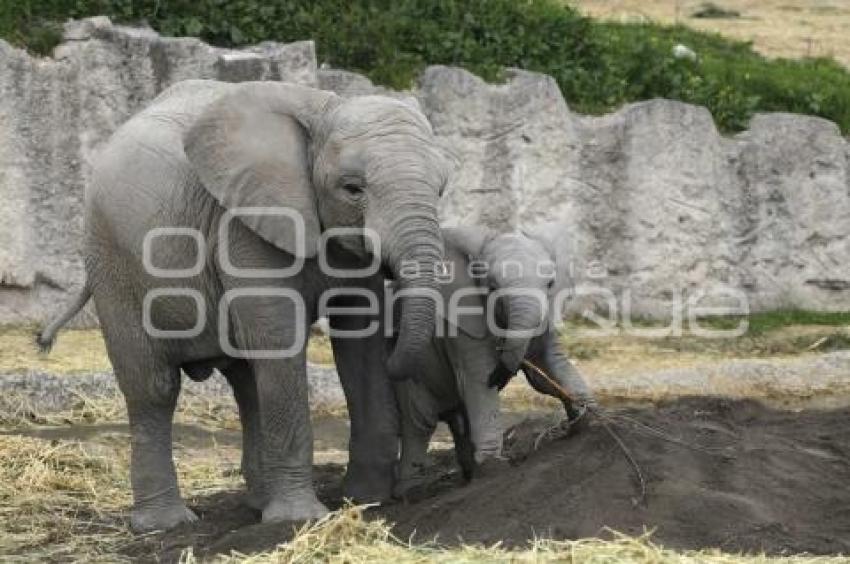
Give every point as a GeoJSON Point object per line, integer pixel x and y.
{"type": "Point", "coordinates": [550, 284]}
{"type": "Point", "coordinates": [353, 189]}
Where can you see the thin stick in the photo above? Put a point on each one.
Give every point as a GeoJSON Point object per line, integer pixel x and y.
{"type": "Point", "coordinates": [604, 420]}
{"type": "Point", "coordinates": [639, 426]}
{"type": "Point", "coordinates": [628, 454]}
{"type": "Point", "coordinates": [642, 427]}
{"type": "Point", "coordinates": [562, 390]}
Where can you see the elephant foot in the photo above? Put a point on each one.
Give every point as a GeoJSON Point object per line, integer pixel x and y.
{"type": "Point", "coordinates": [409, 484]}
{"type": "Point", "coordinates": [160, 518]}
{"type": "Point", "coordinates": [406, 489]}
{"type": "Point", "coordinates": [368, 484]}
{"type": "Point", "coordinates": [255, 499]}
{"type": "Point", "coordinates": [300, 507]}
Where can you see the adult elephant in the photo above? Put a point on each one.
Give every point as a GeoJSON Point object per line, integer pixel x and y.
{"type": "Point", "coordinates": [252, 175]}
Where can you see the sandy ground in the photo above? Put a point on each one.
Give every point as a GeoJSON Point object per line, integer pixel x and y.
{"type": "Point", "coordinates": [733, 475]}
{"type": "Point", "coordinates": [728, 474]}
{"type": "Point", "coordinates": [777, 28]}
{"type": "Point", "coordinates": [792, 365]}
{"type": "Point", "coordinates": [82, 351]}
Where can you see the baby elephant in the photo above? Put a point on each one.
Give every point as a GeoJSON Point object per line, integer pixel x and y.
{"type": "Point", "coordinates": [498, 312]}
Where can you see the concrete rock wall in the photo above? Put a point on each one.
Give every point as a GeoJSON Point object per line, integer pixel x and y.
{"type": "Point", "coordinates": [654, 201]}
{"type": "Point", "coordinates": [656, 205]}
{"type": "Point", "coordinates": [54, 115]}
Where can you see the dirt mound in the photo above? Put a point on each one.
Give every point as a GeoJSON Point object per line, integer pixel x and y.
{"type": "Point", "coordinates": [753, 479]}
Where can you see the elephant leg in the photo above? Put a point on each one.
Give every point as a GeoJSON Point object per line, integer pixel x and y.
{"type": "Point", "coordinates": [418, 423]}
{"type": "Point", "coordinates": [287, 440]}
{"type": "Point", "coordinates": [151, 396]}
{"type": "Point", "coordinates": [372, 409]}
{"type": "Point", "coordinates": [150, 386]}
{"type": "Point", "coordinates": [482, 407]}
{"type": "Point", "coordinates": [458, 422]}
{"type": "Point", "coordinates": [241, 379]}
{"type": "Point", "coordinates": [264, 328]}
{"type": "Point", "coordinates": [549, 358]}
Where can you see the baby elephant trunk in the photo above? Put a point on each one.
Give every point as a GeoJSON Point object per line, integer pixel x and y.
{"type": "Point", "coordinates": [525, 314]}
{"type": "Point", "coordinates": [558, 375]}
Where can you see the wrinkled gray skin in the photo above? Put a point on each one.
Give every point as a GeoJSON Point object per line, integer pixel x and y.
{"type": "Point", "coordinates": [457, 379]}
{"type": "Point", "coordinates": [204, 147]}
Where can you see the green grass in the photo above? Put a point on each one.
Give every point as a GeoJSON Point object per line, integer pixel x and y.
{"type": "Point", "coordinates": [759, 322]}
{"type": "Point", "coordinates": [762, 345]}
{"type": "Point", "coordinates": [769, 334]}
{"type": "Point", "coordinates": [769, 321]}
{"type": "Point", "coordinates": [598, 65]}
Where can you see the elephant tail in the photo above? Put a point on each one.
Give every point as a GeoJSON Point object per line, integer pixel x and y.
{"type": "Point", "coordinates": [47, 336]}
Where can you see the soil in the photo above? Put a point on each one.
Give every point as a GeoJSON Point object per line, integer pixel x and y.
{"type": "Point", "coordinates": [736, 475]}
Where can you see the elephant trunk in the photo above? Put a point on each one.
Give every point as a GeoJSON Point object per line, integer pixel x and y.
{"type": "Point", "coordinates": [525, 316]}
{"type": "Point", "coordinates": [414, 258]}
{"type": "Point", "coordinates": [548, 357]}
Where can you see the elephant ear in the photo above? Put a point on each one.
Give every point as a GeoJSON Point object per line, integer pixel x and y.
{"type": "Point", "coordinates": [554, 236]}
{"type": "Point", "coordinates": [250, 150]}
{"type": "Point", "coordinates": [463, 246]}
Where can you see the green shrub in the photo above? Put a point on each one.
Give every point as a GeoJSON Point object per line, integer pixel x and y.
{"type": "Point", "coordinates": [599, 66]}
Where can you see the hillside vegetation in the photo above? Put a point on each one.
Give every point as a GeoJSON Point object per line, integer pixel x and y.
{"type": "Point", "coordinates": [598, 65]}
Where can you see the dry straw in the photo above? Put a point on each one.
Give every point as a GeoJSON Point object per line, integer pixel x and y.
{"type": "Point", "coordinates": [345, 536]}
{"type": "Point", "coordinates": [64, 500]}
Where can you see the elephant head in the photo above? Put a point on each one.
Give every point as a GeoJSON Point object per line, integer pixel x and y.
{"type": "Point", "coordinates": [364, 163]}
{"type": "Point", "coordinates": [519, 278]}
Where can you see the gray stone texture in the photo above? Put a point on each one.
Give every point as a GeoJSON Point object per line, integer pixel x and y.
{"type": "Point", "coordinates": [56, 112]}
{"type": "Point", "coordinates": [654, 202]}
